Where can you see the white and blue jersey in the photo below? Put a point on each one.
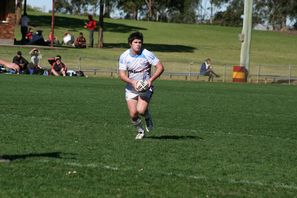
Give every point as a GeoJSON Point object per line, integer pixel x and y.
{"type": "Point", "coordinates": [138, 66]}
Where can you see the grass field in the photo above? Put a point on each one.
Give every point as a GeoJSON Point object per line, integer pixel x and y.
{"type": "Point", "coordinates": [71, 137]}
{"type": "Point", "coordinates": [177, 45]}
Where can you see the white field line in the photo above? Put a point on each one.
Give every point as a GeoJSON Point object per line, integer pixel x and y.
{"type": "Point", "coordinates": [180, 175]}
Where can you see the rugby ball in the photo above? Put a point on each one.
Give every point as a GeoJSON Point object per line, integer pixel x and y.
{"type": "Point", "coordinates": [142, 85]}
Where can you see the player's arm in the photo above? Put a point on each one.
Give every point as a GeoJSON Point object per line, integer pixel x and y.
{"type": "Point", "coordinates": [124, 77]}
{"type": "Point", "coordinates": [159, 70]}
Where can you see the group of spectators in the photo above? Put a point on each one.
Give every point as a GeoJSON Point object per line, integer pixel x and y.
{"type": "Point", "coordinates": [79, 42]}
{"type": "Point", "coordinates": [21, 65]}
{"type": "Point", "coordinates": [36, 38]}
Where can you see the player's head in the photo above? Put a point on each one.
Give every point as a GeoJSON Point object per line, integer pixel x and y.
{"type": "Point", "coordinates": [135, 35]}
{"type": "Point", "coordinates": [58, 57]}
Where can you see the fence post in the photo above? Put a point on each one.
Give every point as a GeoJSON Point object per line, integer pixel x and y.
{"type": "Point", "coordinates": [79, 64]}
{"type": "Point", "coordinates": [95, 71]}
{"type": "Point", "coordinates": [290, 74]}
{"type": "Point", "coordinates": [258, 73]}
{"type": "Point", "coordinates": [224, 76]}
{"type": "Point", "coordinates": [190, 70]}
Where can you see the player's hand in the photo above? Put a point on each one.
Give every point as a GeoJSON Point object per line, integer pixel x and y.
{"type": "Point", "coordinates": [149, 83]}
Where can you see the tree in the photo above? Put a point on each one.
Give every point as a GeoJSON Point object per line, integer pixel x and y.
{"type": "Point", "coordinates": [71, 6]}
{"type": "Point", "coordinates": [131, 7]}
{"type": "Point", "coordinates": [149, 4]}
{"type": "Point", "coordinates": [275, 12]}
{"type": "Point", "coordinates": [101, 24]}
{"type": "Point", "coordinates": [232, 15]}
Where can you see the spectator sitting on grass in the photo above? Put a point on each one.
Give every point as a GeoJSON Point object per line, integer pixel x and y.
{"type": "Point", "coordinates": [21, 62]}
{"type": "Point", "coordinates": [80, 41]}
{"type": "Point", "coordinates": [68, 39]}
{"type": "Point", "coordinates": [34, 65]}
{"type": "Point", "coordinates": [29, 35]}
{"type": "Point", "coordinates": [37, 39]}
{"type": "Point", "coordinates": [58, 67]}
{"type": "Point", "coordinates": [52, 38]}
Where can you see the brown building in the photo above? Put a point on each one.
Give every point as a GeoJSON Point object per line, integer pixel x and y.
{"type": "Point", "coordinates": [8, 21]}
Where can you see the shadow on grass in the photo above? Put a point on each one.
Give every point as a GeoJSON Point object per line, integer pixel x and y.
{"type": "Point", "coordinates": [75, 24]}
{"type": "Point", "coordinates": [149, 46]}
{"type": "Point", "coordinates": [175, 137]}
{"type": "Point", "coordinates": [57, 155]}
{"type": "Point", "coordinates": [155, 47]}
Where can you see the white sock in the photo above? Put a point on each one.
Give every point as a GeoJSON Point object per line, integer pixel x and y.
{"type": "Point", "coordinates": [138, 125]}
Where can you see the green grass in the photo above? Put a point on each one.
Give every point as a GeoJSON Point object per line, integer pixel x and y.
{"type": "Point", "coordinates": [210, 140]}
{"type": "Point", "coordinates": [177, 45]}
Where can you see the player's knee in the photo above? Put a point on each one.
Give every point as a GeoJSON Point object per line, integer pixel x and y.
{"type": "Point", "coordinates": [141, 111]}
{"type": "Point", "coordinates": [134, 114]}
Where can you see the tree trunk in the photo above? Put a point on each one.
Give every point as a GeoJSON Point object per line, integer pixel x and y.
{"type": "Point", "coordinates": [149, 4]}
{"type": "Point", "coordinates": [101, 23]}
{"type": "Point", "coordinates": [25, 7]}
{"type": "Point", "coordinates": [284, 23]}
{"type": "Point", "coordinates": [18, 12]}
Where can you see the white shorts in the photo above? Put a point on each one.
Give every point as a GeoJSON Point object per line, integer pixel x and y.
{"type": "Point", "coordinates": [132, 94]}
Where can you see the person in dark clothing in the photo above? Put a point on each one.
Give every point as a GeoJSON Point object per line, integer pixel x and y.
{"type": "Point", "coordinates": [207, 70]}
{"type": "Point", "coordinates": [24, 22]}
{"type": "Point", "coordinates": [80, 41]}
{"type": "Point", "coordinates": [58, 67]}
{"type": "Point", "coordinates": [21, 62]}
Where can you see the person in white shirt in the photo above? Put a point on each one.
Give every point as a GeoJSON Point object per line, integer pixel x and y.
{"type": "Point", "coordinates": [68, 39]}
{"type": "Point", "coordinates": [34, 65]}
{"type": "Point", "coordinates": [135, 65]}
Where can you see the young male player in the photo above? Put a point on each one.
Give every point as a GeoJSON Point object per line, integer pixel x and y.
{"type": "Point", "coordinates": [135, 65]}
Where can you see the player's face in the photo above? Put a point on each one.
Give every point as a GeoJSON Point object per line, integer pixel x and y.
{"type": "Point", "coordinates": [136, 46]}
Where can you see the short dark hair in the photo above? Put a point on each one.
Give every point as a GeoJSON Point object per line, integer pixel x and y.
{"type": "Point", "coordinates": [58, 57]}
{"type": "Point", "coordinates": [135, 35]}
{"type": "Point", "coordinates": [19, 53]}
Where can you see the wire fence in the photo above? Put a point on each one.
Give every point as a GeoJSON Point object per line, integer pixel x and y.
{"type": "Point", "coordinates": [286, 74]}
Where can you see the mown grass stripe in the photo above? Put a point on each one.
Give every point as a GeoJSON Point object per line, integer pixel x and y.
{"type": "Point", "coordinates": [180, 175]}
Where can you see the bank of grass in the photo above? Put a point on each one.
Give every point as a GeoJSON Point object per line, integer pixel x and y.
{"type": "Point", "coordinates": [177, 45]}
{"type": "Point", "coordinates": [71, 137]}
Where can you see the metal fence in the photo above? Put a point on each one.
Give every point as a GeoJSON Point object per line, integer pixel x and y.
{"type": "Point", "coordinates": [286, 74]}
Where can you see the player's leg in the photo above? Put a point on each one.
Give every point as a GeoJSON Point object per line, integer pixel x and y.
{"type": "Point", "coordinates": [148, 121]}
{"type": "Point", "coordinates": [10, 65]}
{"type": "Point", "coordinates": [143, 109]}
{"type": "Point", "coordinates": [214, 74]}
{"type": "Point", "coordinates": [55, 72]}
{"type": "Point", "coordinates": [63, 72]}
{"type": "Point", "coordinates": [135, 119]}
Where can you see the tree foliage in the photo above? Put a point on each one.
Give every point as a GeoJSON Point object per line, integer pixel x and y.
{"type": "Point", "coordinates": [274, 12]}
{"type": "Point", "coordinates": [71, 6]}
